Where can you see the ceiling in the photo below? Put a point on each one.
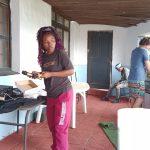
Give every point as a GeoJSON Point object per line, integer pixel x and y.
{"type": "Point", "coordinates": [123, 13]}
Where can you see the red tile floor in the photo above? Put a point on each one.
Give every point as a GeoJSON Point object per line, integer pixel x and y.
{"type": "Point", "coordinates": [86, 136]}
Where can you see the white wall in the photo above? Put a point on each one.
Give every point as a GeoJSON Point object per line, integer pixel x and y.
{"type": "Point", "coordinates": [124, 41]}
{"type": "Point", "coordinates": [27, 17]}
{"type": "Point", "coordinates": [79, 33]}
{"type": "Point", "coordinates": [15, 34]}
{"type": "Point", "coordinates": [133, 33]}
{"type": "Point", "coordinates": [74, 40]}
{"type": "Point", "coordinates": [79, 38]}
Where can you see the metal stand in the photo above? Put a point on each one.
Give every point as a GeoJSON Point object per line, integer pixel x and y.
{"type": "Point", "coordinates": [19, 124]}
{"type": "Point", "coordinates": [28, 107]}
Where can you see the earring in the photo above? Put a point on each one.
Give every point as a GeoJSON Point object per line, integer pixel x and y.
{"type": "Point", "coordinates": [44, 51]}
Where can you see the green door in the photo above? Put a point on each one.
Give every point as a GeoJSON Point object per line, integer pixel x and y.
{"type": "Point", "coordinates": [99, 59]}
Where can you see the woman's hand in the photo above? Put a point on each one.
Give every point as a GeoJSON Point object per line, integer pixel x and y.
{"type": "Point", "coordinates": [45, 74]}
{"type": "Point", "coordinates": [34, 74]}
{"type": "Point", "coordinates": [63, 73]}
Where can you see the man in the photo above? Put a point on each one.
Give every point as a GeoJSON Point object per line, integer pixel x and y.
{"type": "Point", "coordinates": [122, 83]}
{"type": "Point", "coordinates": [140, 66]}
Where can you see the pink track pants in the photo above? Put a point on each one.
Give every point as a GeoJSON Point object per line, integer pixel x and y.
{"type": "Point", "coordinates": [58, 117]}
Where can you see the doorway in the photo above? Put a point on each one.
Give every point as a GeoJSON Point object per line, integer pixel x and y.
{"type": "Point", "coordinates": [99, 59]}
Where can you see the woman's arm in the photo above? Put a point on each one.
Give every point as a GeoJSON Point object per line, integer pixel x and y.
{"type": "Point", "coordinates": [63, 73]}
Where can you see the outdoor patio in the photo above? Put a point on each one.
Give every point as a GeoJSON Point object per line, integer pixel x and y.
{"type": "Point", "coordinates": [86, 136]}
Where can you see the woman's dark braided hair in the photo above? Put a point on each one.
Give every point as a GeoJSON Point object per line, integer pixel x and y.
{"type": "Point", "coordinates": [41, 32]}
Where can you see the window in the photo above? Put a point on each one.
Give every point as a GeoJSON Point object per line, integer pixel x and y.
{"type": "Point", "coordinates": [62, 26]}
{"type": "Point", "coordinates": [5, 53]}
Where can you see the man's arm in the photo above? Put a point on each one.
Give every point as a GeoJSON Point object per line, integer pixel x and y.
{"type": "Point", "coordinates": [124, 75]}
{"type": "Point", "coordinates": [147, 64]}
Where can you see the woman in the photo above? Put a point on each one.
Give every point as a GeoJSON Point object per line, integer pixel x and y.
{"type": "Point", "coordinates": [56, 67]}
{"type": "Point", "coordinates": [139, 65]}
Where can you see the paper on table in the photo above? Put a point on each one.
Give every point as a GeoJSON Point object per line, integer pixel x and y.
{"type": "Point", "coordinates": [34, 93]}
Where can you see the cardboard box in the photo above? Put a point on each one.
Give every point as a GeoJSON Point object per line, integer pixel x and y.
{"type": "Point", "coordinates": [30, 89]}
{"type": "Point", "coordinates": [25, 85]}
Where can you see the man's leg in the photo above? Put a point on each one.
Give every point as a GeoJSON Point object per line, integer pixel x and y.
{"type": "Point", "coordinates": [122, 84]}
{"type": "Point", "coordinates": [117, 88]}
{"type": "Point", "coordinates": [106, 98]}
{"type": "Point", "coordinates": [131, 101]}
{"type": "Point", "coordinates": [137, 91]}
{"type": "Point", "coordinates": [118, 92]}
{"type": "Point", "coordinates": [138, 102]}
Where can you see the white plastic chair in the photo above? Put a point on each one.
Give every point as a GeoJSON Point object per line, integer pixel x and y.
{"type": "Point", "coordinates": [79, 89]}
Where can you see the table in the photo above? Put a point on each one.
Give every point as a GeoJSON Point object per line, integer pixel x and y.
{"type": "Point", "coordinates": [28, 107]}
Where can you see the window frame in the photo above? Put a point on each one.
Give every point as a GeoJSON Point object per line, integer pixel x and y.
{"type": "Point", "coordinates": [7, 70]}
{"type": "Point", "coordinates": [62, 26]}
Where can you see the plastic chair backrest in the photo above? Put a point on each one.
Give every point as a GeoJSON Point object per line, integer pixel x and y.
{"type": "Point", "coordinates": [73, 77]}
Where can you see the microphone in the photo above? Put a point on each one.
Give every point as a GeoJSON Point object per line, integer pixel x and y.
{"type": "Point", "coordinates": [33, 75]}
